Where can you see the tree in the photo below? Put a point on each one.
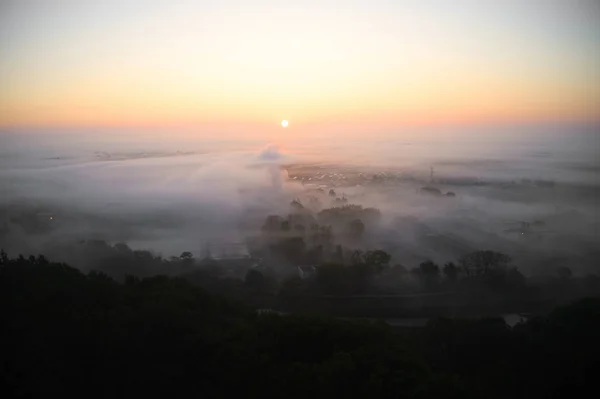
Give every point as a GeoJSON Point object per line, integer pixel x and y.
{"type": "Point", "coordinates": [3, 257]}
{"type": "Point", "coordinates": [123, 248]}
{"type": "Point", "coordinates": [338, 255]}
{"type": "Point", "coordinates": [187, 260]}
{"type": "Point", "coordinates": [314, 255]}
{"type": "Point", "coordinates": [296, 205]}
{"type": "Point", "coordinates": [514, 278]}
{"type": "Point", "coordinates": [254, 280]}
{"type": "Point", "coordinates": [272, 224]}
{"type": "Point", "coordinates": [292, 285]}
{"type": "Point", "coordinates": [451, 271]}
{"type": "Point", "coordinates": [333, 279]}
{"type": "Point", "coordinates": [292, 249]}
{"type": "Point", "coordinates": [484, 263]}
{"type": "Point", "coordinates": [324, 237]}
{"type": "Point", "coordinates": [371, 215]}
{"type": "Point", "coordinates": [378, 258]}
{"type": "Point", "coordinates": [143, 256]}
{"type": "Point", "coordinates": [429, 274]}
{"type": "Point", "coordinates": [146, 336]}
{"type": "Point", "coordinates": [428, 268]}
{"type": "Point", "coordinates": [356, 229]}
{"type": "Point", "coordinates": [399, 270]}
{"type": "Point", "coordinates": [300, 229]}
{"type": "Point", "coordinates": [357, 257]}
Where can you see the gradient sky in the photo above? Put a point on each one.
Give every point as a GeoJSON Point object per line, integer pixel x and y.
{"type": "Point", "coordinates": [250, 64]}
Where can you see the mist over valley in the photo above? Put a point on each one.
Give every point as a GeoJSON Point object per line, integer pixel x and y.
{"type": "Point", "coordinates": [438, 200]}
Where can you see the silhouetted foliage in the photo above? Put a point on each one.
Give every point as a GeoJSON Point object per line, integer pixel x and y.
{"type": "Point", "coordinates": [260, 281]}
{"type": "Point", "coordinates": [343, 215]}
{"type": "Point", "coordinates": [356, 229]}
{"type": "Point", "coordinates": [292, 249]}
{"type": "Point", "coordinates": [272, 223]}
{"type": "Point", "coordinates": [451, 272]}
{"type": "Point", "coordinates": [354, 278]}
{"type": "Point", "coordinates": [483, 263]}
{"type": "Point", "coordinates": [429, 273]}
{"type": "Point", "coordinates": [66, 333]}
{"type": "Point", "coordinates": [378, 259]}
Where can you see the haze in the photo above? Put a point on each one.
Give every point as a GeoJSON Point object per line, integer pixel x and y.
{"type": "Point", "coordinates": [159, 123]}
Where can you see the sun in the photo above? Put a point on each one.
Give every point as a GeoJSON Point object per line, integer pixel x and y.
{"type": "Point", "coordinates": [284, 123]}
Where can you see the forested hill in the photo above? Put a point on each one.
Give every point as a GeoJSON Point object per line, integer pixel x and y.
{"type": "Point", "coordinates": [65, 333]}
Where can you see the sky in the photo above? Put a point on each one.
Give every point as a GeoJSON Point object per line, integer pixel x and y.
{"type": "Point", "coordinates": [222, 66]}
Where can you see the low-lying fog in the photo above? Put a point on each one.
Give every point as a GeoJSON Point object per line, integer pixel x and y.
{"type": "Point", "coordinates": [532, 196]}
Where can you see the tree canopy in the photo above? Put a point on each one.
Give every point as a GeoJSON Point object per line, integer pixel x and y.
{"type": "Point", "coordinates": [67, 333]}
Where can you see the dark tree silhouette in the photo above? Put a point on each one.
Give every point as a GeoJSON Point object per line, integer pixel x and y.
{"type": "Point", "coordinates": [123, 248]}
{"type": "Point", "coordinates": [429, 273]}
{"type": "Point", "coordinates": [255, 280]}
{"type": "Point", "coordinates": [272, 224]}
{"type": "Point", "coordinates": [65, 332]}
{"type": "Point", "coordinates": [451, 272]}
{"type": "Point", "coordinates": [378, 259]}
{"type": "Point", "coordinates": [292, 249]}
{"type": "Point", "coordinates": [483, 263]}
{"type": "Point", "coordinates": [356, 229]}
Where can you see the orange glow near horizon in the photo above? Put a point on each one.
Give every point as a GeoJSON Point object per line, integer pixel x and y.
{"type": "Point", "coordinates": [187, 66]}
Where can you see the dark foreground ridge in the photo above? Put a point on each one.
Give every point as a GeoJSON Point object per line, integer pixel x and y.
{"type": "Point", "coordinates": [67, 333]}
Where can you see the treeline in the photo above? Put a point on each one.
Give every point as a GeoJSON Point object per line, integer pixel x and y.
{"type": "Point", "coordinates": [305, 236]}
{"type": "Point", "coordinates": [481, 282]}
{"type": "Point", "coordinates": [69, 333]}
{"type": "Point", "coordinates": [483, 279]}
{"type": "Point", "coordinates": [312, 252]}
